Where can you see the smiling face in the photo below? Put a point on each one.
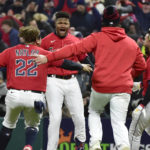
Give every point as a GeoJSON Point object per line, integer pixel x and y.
{"type": "Point", "coordinates": [62, 26]}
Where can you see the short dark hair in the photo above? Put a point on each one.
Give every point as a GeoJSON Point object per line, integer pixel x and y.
{"type": "Point", "coordinates": [29, 33]}
{"type": "Point", "coordinates": [8, 22]}
{"type": "Point", "coordinates": [62, 14]}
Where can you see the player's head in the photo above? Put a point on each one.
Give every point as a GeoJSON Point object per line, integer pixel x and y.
{"type": "Point", "coordinates": [62, 23]}
{"type": "Point", "coordinates": [7, 25]}
{"type": "Point", "coordinates": [30, 34]}
{"type": "Point", "coordinates": [147, 40]}
{"type": "Point", "coordinates": [111, 16]}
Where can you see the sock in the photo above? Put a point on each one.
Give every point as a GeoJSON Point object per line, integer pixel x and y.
{"type": "Point", "coordinates": [30, 135]}
{"type": "Point", "coordinates": [5, 135]}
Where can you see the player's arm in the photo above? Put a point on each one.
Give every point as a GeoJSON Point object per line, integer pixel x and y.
{"type": "Point", "coordinates": [140, 65]}
{"type": "Point", "coordinates": [87, 60]}
{"type": "Point", "coordinates": [71, 65]}
{"type": "Point", "coordinates": [85, 45]}
{"type": "Point", "coordinates": [4, 58]}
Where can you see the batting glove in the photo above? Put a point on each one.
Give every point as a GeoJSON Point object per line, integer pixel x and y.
{"type": "Point", "coordinates": [39, 106]}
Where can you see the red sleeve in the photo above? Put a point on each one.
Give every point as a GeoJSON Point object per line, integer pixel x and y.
{"type": "Point", "coordinates": [53, 63]}
{"type": "Point", "coordinates": [4, 58]}
{"type": "Point", "coordinates": [56, 63]}
{"type": "Point", "coordinates": [140, 65]}
{"type": "Point", "coordinates": [85, 45]}
{"type": "Point", "coordinates": [148, 69]}
{"type": "Point", "coordinates": [82, 56]}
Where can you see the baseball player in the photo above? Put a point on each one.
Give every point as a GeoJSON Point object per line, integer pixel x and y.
{"type": "Point", "coordinates": [26, 83]}
{"type": "Point", "coordinates": [141, 115]}
{"type": "Point", "coordinates": [116, 56]}
{"type": "Point", "coordinates": [63, 87]}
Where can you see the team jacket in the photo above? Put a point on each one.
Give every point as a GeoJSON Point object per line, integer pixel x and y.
{"type": "Point", "coordinates": [52, 43]}
{"type": "Point", "coordinates": [22, 73]}
{"type": "Point", "coordinates": [116, 55]}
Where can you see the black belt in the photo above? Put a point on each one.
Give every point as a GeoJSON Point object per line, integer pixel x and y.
{"type": "Point", "coordinates": [34, 91]}
{"type": "Point", "coordinates": [61, 77]}
{"type": "Point", "coordinates": [40, 92]}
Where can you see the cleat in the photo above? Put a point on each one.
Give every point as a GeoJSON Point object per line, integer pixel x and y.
{"type": "Point", "coordinates": [79, 145]}
{"type": "Point", "coordinates": [96, 146]}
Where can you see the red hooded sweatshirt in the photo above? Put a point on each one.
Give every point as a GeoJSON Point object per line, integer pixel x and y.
{"type": "Point", "coordinates": [116, 56]}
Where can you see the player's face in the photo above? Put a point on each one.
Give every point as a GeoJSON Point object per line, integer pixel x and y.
{"type": "Point", "coordinates": [62, 26]}
{"type": "Point", "coordinates": [147, 40]}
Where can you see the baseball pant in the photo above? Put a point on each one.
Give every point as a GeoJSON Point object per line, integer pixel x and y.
{"type": "Point", "coordinates": [118, 111]}
{"type": "Point", "coordinates": [18, 101]}
{"type": "Point", "coordinates": [61, 91]}
{"type": "Point", "coordinates": [137, 126]}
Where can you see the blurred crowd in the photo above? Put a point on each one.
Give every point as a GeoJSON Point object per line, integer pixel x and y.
{"type": "Point", "coordinates": [86, 16]}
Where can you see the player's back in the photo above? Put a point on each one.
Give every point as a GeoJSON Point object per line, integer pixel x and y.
{"type": "Point", "coordinates": [22, 72]}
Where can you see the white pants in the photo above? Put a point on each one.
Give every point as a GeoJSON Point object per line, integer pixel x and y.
{"type": "Point", "coordinates": [67, 91]}
{"type": "Point", "coordinates": [137, 127]}
{"type": "Point", "coordinates": [118, 111]}
{"type": "Point", "coordinates": [18, 101]}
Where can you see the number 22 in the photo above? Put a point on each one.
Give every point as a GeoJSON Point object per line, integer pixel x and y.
{"type": "Point", "coordinates": [29, 72]}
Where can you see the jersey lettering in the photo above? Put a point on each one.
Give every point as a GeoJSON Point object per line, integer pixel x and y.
{"type": "Point", "coordinates": [30, 72]}
{"type": "Point", "coordinates": [25, 52]}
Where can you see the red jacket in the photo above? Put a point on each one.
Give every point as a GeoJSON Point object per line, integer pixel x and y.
{"type": "Point", "coordinates": [115, 56]}
{"type": "Point", "coordinates": [52, 43]}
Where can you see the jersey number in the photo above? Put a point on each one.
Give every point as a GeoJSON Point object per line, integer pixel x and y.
{"type": "Point", "coordinates": [22, 64]}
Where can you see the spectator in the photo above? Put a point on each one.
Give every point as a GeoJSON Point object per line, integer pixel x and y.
{"type": "Point", "coordinates": [3, 6]}
{"type": "Point", "coordinates": [7, 27]}
{"type": "Point", "coordinates": [31, 9]}
{"type": "Point", "coordinates": [65, 5]}
{"type": "Point", "coordinates": [17, 7]}
{"type": "Point", "coordinates": [132, 32]}
{"type": "Point", "coordinates": [142, 13]}
{"type": "Point", "coordinates": [2, 44]}
{"type": "Point", "coordinates": [43, 24]}
{"type": "Point", "coordinates": [3, 91]}
{"type": "Point", "coordinates": [83, 21]}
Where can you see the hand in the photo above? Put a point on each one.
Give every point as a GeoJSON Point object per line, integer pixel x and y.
{"type": "Point", "coordinates": [39, 106]}
{"type": "Point", "coordinates": [136, 86]}
{"type": "Point", "coordinates": [40, 59]}
{"type": "Point", "coordinates": [87, 67]}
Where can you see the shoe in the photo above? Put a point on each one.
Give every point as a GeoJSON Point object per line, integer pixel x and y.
{"type": "Point", "coordinates": [79, 145]}
{"type": "Point", "coordinates": [96, 146]}
{"type": "Point", "coordinates": [27, 147]}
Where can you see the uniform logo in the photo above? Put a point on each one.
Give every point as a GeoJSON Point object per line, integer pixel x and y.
{"type": "Point", "coordinates": [52, 41]}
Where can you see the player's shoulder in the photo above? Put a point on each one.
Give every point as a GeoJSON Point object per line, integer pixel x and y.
{"type": "Point", "coordinates": [42, 51]}
{"type": "Point", "coordinates": [49, 36]}
{"type": "Point", "coordinates": [70, 36]}
{"type": "Point", "coordinates": [10, 49]}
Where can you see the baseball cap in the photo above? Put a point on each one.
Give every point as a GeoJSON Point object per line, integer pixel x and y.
{"type": "Point", "coordinates": [111, 15]}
